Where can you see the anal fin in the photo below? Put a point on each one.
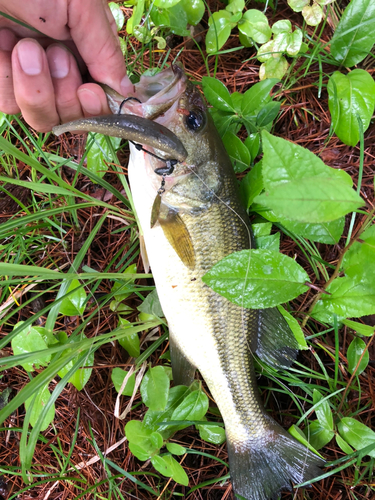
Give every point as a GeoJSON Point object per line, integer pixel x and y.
{"type": "Point", "coordinates": [183, 371]}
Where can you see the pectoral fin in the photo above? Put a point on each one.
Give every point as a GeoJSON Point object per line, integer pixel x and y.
{"type": "Point", "coordinates": [183, 371]}
{"type": "Point", "coordinates": [177, 234]}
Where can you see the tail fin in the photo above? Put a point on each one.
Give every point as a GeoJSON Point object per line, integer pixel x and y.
{"type": "Point", "coordinates": [261, 468]}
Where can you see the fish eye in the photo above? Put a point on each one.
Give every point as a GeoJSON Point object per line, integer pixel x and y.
{"type": "Point", "coordinates": [196, 120]}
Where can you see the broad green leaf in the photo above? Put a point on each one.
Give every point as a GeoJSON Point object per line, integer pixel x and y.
{"type": "Point", "coordinates": [160, 17]}
{"type": "Point", "coordinates": [139, 452]}
{"type": "Point", "coordinates": [142, 34]}
{"type": "Point", "coordinates": [252, 184]}
{"type": "Point", "coordinates": [311, 199]}
{"type": "Point", "coordinates": [295, 43]}
{"type": "Point", "coordinates": [312, 14]}
{"type": "Point", "coordinates": [343, 445]}
{"type": "Point", "coordinates": [153, 418]}
{"type": "Point", "coordinates": [323, 411]}
{"type": "Point", "coordinates": [214, 434]}
{"type": "Point", "coordinates": [350, 298]}
{"type": "Point", "coordinates": [175, 449]}
{"type": "Point", "coordinates": [284, 161]}
{"type": "Point", "coordinates": [298, 5]}
{"type": "Point", "coordinates": [217, 94]}
{"type": "Point", "coordinates": [143, 442]}
{"type": "Point", "coordinates": [47, 335]}
{"type": "Point", "coordinates": [100, 153]}
{"type": "Point", "coordinates": [257, 96]}
{"type": "Point", "coordinates": [117, 14]}
{"type": "Point", "coordinates": [165, 4]}
{"type": "Point", "coordinates": [351, 96]}
{"type": "Point", "coordinates": [41, 399]}
{"type": "Point", "coordinates": [280, 43]}
{"type": "Point", "coordinates": [193, 407]}
{"type": "Point", "coordinates": [325, 232]}
{"type": "Point", "coordinates": [178, 20]}
{"type": "Point", "coordinates": [283, 26]}
{"type": "Point", "coordinates": [254, 24]}
{"type": "Point", "coordinates": [223, 120]}
{"type": "Point", "coordinates": [136, 18]}
{"type": "Point", "coordinates": [151, 305]}
{"type": "Point", "coordinates": [360, 328]}
{"type": "Point", "coordinates": [300, 436]}
{"type": "Point", "coordinates": [271, 242]}
{"type": "Point", "coordinates": [118, 375]}
{"type": "Point", "coordinates": [218, 32]}
{"type": "Point", "coordinates": [257, 278]}
{"type": "Point", "coordinates": [194, 10]}
{"type": "Point", "coordinates": [155, 388]}
{"type": "Point", "coordinates": [266, 52]}
{"type": "Point", "coordinates": [268, 113]}
{"type": "Point", "coordinates": [276, 67]}
{"type": "Point", "coordinates": [361, 252]}
{"type": "Point", "coordinates": [295, 327]}
{"type": "Point", "coordinates": [356, 434]}
{"type": "Point", "coordinates": [74, 304]}
{"type": "Point", "coordinates": [355, 351]}
{"type": "Point", "coordinates": [300, 187]}
{"type": "Point", "coordinates": [30, 340]}
{"type": "Point", "coordinates": [317, 435]}
{"type": "Point", "coordinates": [80, 378]}
{"type": "Point", "coordinates": [130, 341]}
{"type": "Point", "coordinates": [238, 152]}
{"type": "Point", "coordinates": [120, 288]}
{"type": "Point", "coordinates": [169, 467]}
{"type": "Point", "coordinates": [252, 142]}
{"type": "Point", "coordinates": [355, 34]}
{"type": "Point", "coordinates": [261, 229]}
{"type": "Point", "coordinates": [237, 99]}
{"type": "Point", "coordinates": [235, 6]}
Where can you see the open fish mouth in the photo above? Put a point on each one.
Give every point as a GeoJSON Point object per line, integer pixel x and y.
{"type": "Point", "coordinates": [156, 95]}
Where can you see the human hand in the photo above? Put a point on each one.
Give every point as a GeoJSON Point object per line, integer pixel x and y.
{"type": "Point", "coordinates": [40, 77]}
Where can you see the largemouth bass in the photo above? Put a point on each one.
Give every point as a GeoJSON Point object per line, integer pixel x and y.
{"type": "Point", "coordinates": [191, 217]}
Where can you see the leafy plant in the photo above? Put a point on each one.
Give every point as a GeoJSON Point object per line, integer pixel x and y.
{"type": "Point", "coordinates": [173, 15]}
{"type": "Point", "coordinates": [312, 12]}
{"type": "Point", "coordinates": [167, 407]}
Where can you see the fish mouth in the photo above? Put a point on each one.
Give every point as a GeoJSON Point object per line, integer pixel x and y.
{"type": "Point", "coordinates": [156, 92]}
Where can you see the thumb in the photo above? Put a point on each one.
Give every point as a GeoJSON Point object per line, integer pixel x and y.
{"type": "Point", "coordinates": [97, 43]}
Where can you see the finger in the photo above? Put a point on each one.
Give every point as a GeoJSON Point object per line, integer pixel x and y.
{"type": "Point", "coordinates": [33, 86]}
{"type": "Point", "coordinates": [97, 43]}
{"type": "Point", "coordinates": [93, 100]}
{"type": "Point", "coordinates": [66, 80]}
{"type": "Point", "coordinates": [7, 100]}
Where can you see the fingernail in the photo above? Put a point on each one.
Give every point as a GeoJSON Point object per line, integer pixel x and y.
{"type": "Point", "coordinates": [126, 86]}
{"type": "Point", "coordinates": [30, 57]}
{"type": "Point", "coordinates": [7, 40]}
{"type": "Point", "coordinates": [58, 61]}
{"type": "Point", "coordinates": [90, 102]}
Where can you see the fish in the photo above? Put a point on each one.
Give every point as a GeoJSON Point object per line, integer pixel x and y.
{"type": "Point", "coordinates": [192, 217]}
